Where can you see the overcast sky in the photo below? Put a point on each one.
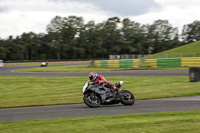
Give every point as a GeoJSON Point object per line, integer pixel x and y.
{"type": "Point", "coordinates": [18, 16]}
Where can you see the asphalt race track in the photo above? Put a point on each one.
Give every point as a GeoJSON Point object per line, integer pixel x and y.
{"type": "Point", "coordinates": [8, 71]}
{"type": "Point", "coordinates": [81, 110]}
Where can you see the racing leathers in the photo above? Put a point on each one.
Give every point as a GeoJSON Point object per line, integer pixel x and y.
{"type": "Point", "coordinates": [100, 79]}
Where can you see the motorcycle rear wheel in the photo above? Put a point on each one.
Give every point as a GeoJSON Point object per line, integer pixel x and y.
{"type": "Point", "coordinates": [92, 100]}
{"type": "Point", "coordinates": [127, 98]}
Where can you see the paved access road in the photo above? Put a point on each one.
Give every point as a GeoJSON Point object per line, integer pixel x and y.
{"type": "Point", "coordinates": [81, 110]}
{"type": "Point", "coordinates": [8, 71]}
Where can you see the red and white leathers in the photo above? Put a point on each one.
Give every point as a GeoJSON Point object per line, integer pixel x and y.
{"type": "Point", "coordinates": [100, 79]}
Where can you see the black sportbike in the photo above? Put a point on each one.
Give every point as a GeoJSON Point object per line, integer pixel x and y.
{"type": "Point", "coordinates": [96, 95]}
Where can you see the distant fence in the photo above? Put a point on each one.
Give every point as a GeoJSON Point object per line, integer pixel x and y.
{"type": "Point", "coordinates": [126, 56]}
{"type": "Point", "coordinates": [154, 56]}
{"type": "Point", "coordinates": [173, 55]}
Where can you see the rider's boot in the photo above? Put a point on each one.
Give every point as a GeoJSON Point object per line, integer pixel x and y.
{"type": "Point", "coordinates": [117, 91]}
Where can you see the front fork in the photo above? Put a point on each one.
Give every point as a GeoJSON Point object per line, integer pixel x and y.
{"type": "Point", "coordinates": [93, 95]}
{"type": "Point", "coordinates": [92, 98]}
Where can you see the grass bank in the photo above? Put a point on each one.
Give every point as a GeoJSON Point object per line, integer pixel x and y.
{"type": "Point", "coordinates": [189, 50]}
{"type": "Point", "coordinates": [16, 91]}
{"type": "Point", "coordinates": [163, 122]}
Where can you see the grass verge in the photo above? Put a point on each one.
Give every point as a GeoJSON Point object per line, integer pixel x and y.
{"type": "Point", "coordinates": [16, 91]}
{"type": "Point", "coordinates": [71, 68]}
{"type": "Point", "coordinates": [49, 63]}
{"type": "Point", "coordinates": [75, 68]}
{"type": "Point", "coordinates": [162, 122]}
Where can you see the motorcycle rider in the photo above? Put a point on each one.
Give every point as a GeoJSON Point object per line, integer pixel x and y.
{"type": "Point", "coordinates": [99, 79]}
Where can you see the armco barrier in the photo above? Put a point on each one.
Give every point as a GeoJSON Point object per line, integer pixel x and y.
{"type": "Point", "coordinates": [113, 63]}
{"type": "Point", "coordinates": [97, 63]}
{"type": "Point", "coordinates": [190, 62]}
{"type": "Point", "coordinates": [151, 62]}
{"type": "Point", "coordinates": [136, 63]}
{"type": "Point", "coordinates": [173, 62]}
{"type": "Point", "coordinates": [104, 63]}
{"type": "Point", "coordinates": [164, 62]}
{"type": "Point", "coordinates": [169, 62]}
{"type": "Point", "coordinates": [126, 63]}
{"type": "Point", "coordinates": [117, 63]}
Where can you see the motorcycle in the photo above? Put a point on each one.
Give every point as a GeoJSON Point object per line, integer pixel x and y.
{"type": "Point", "coordinates": [44, 64]}
{"type": "Point", "coordinates": [96, 95]}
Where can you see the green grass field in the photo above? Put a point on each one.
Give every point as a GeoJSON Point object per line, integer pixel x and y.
{"type": "Point", "coordinates": [162, 122]}
{"type": "Point", "coordinates": [16, 91]}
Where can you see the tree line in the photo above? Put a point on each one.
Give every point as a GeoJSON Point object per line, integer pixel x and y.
{"type": "Point", "coordinates": [71, 38]}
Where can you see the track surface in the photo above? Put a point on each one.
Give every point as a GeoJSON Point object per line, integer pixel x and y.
{"type": "Point", "coordinates": [81, 110]}
{"type": "Point", "coordinates": [8, 71]}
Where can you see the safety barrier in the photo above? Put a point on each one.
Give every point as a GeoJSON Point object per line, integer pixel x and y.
{"type": "Point", "coordinates": [104, 64]}
{"type": "Point", "coordinates": [151, 62]}
{"type": "Point", "coordinates": [169, 62]}
{"type": "Point", "coordinates": [195, 61]}
{"type": "Point", "coordinates": [117, 63]}
{"type": "Point", "coordinates": [136, 63]}
{"type": "Point", "coordinates": [113, 63]}
{"type": "Point", "coordinates": [97, 63]}
{"type": "Point", "coordinates": [163, 62]}
{"type": "Point", "coordinates": [173, 62]}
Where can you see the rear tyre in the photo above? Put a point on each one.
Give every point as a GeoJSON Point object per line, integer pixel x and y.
{"type": "Point", "coordinates": [127, 98]}
{"type": "Point", "coordinates": [92, 100]}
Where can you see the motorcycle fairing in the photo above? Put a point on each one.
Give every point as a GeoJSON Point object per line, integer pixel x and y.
{"type": "Point", "coordinates": [101, 90]}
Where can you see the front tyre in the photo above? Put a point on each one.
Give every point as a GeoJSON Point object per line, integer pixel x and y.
{"type": "Point", "coordinates": [92, 100]}
{"type": "Point", "coordinates": [127, 98]}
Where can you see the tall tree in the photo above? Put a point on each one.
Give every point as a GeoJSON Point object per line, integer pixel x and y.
{"type": "Point", "coordinates": [133, 36]}
{"type": "Point", "coordinates": [30, 44]}
{"type": "Point", "coordinates": [70, 38]}
{"type": "Point", "coordinates": [2, 50]}
{"type": "Point", "coordinates": [54, 30]}
{"type": "Point", "coordinates": [62, 33]}
{"type": "Point", "coordinates": [160, 34]}
{"type": "Point", "coordinates": [111, 36]}
{"type": "Point", "coordinates": [191, 32]}
{"type": "Point", "coordinates": [13, 49]}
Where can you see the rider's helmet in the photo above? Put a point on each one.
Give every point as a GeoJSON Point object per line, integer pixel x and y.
{"type": "Point", "coordinates": [93, 76]}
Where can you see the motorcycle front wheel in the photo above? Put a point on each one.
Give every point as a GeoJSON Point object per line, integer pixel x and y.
{"type": "Point", "coordinates": [92, 100]}
{"type": "Point", "coordinates": [126, 97]}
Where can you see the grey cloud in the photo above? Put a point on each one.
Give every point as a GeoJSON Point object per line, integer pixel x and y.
{"type": "Point", "coordinates": [3, 9]}
{"type": "Point", "coordinates": [121, 7]}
